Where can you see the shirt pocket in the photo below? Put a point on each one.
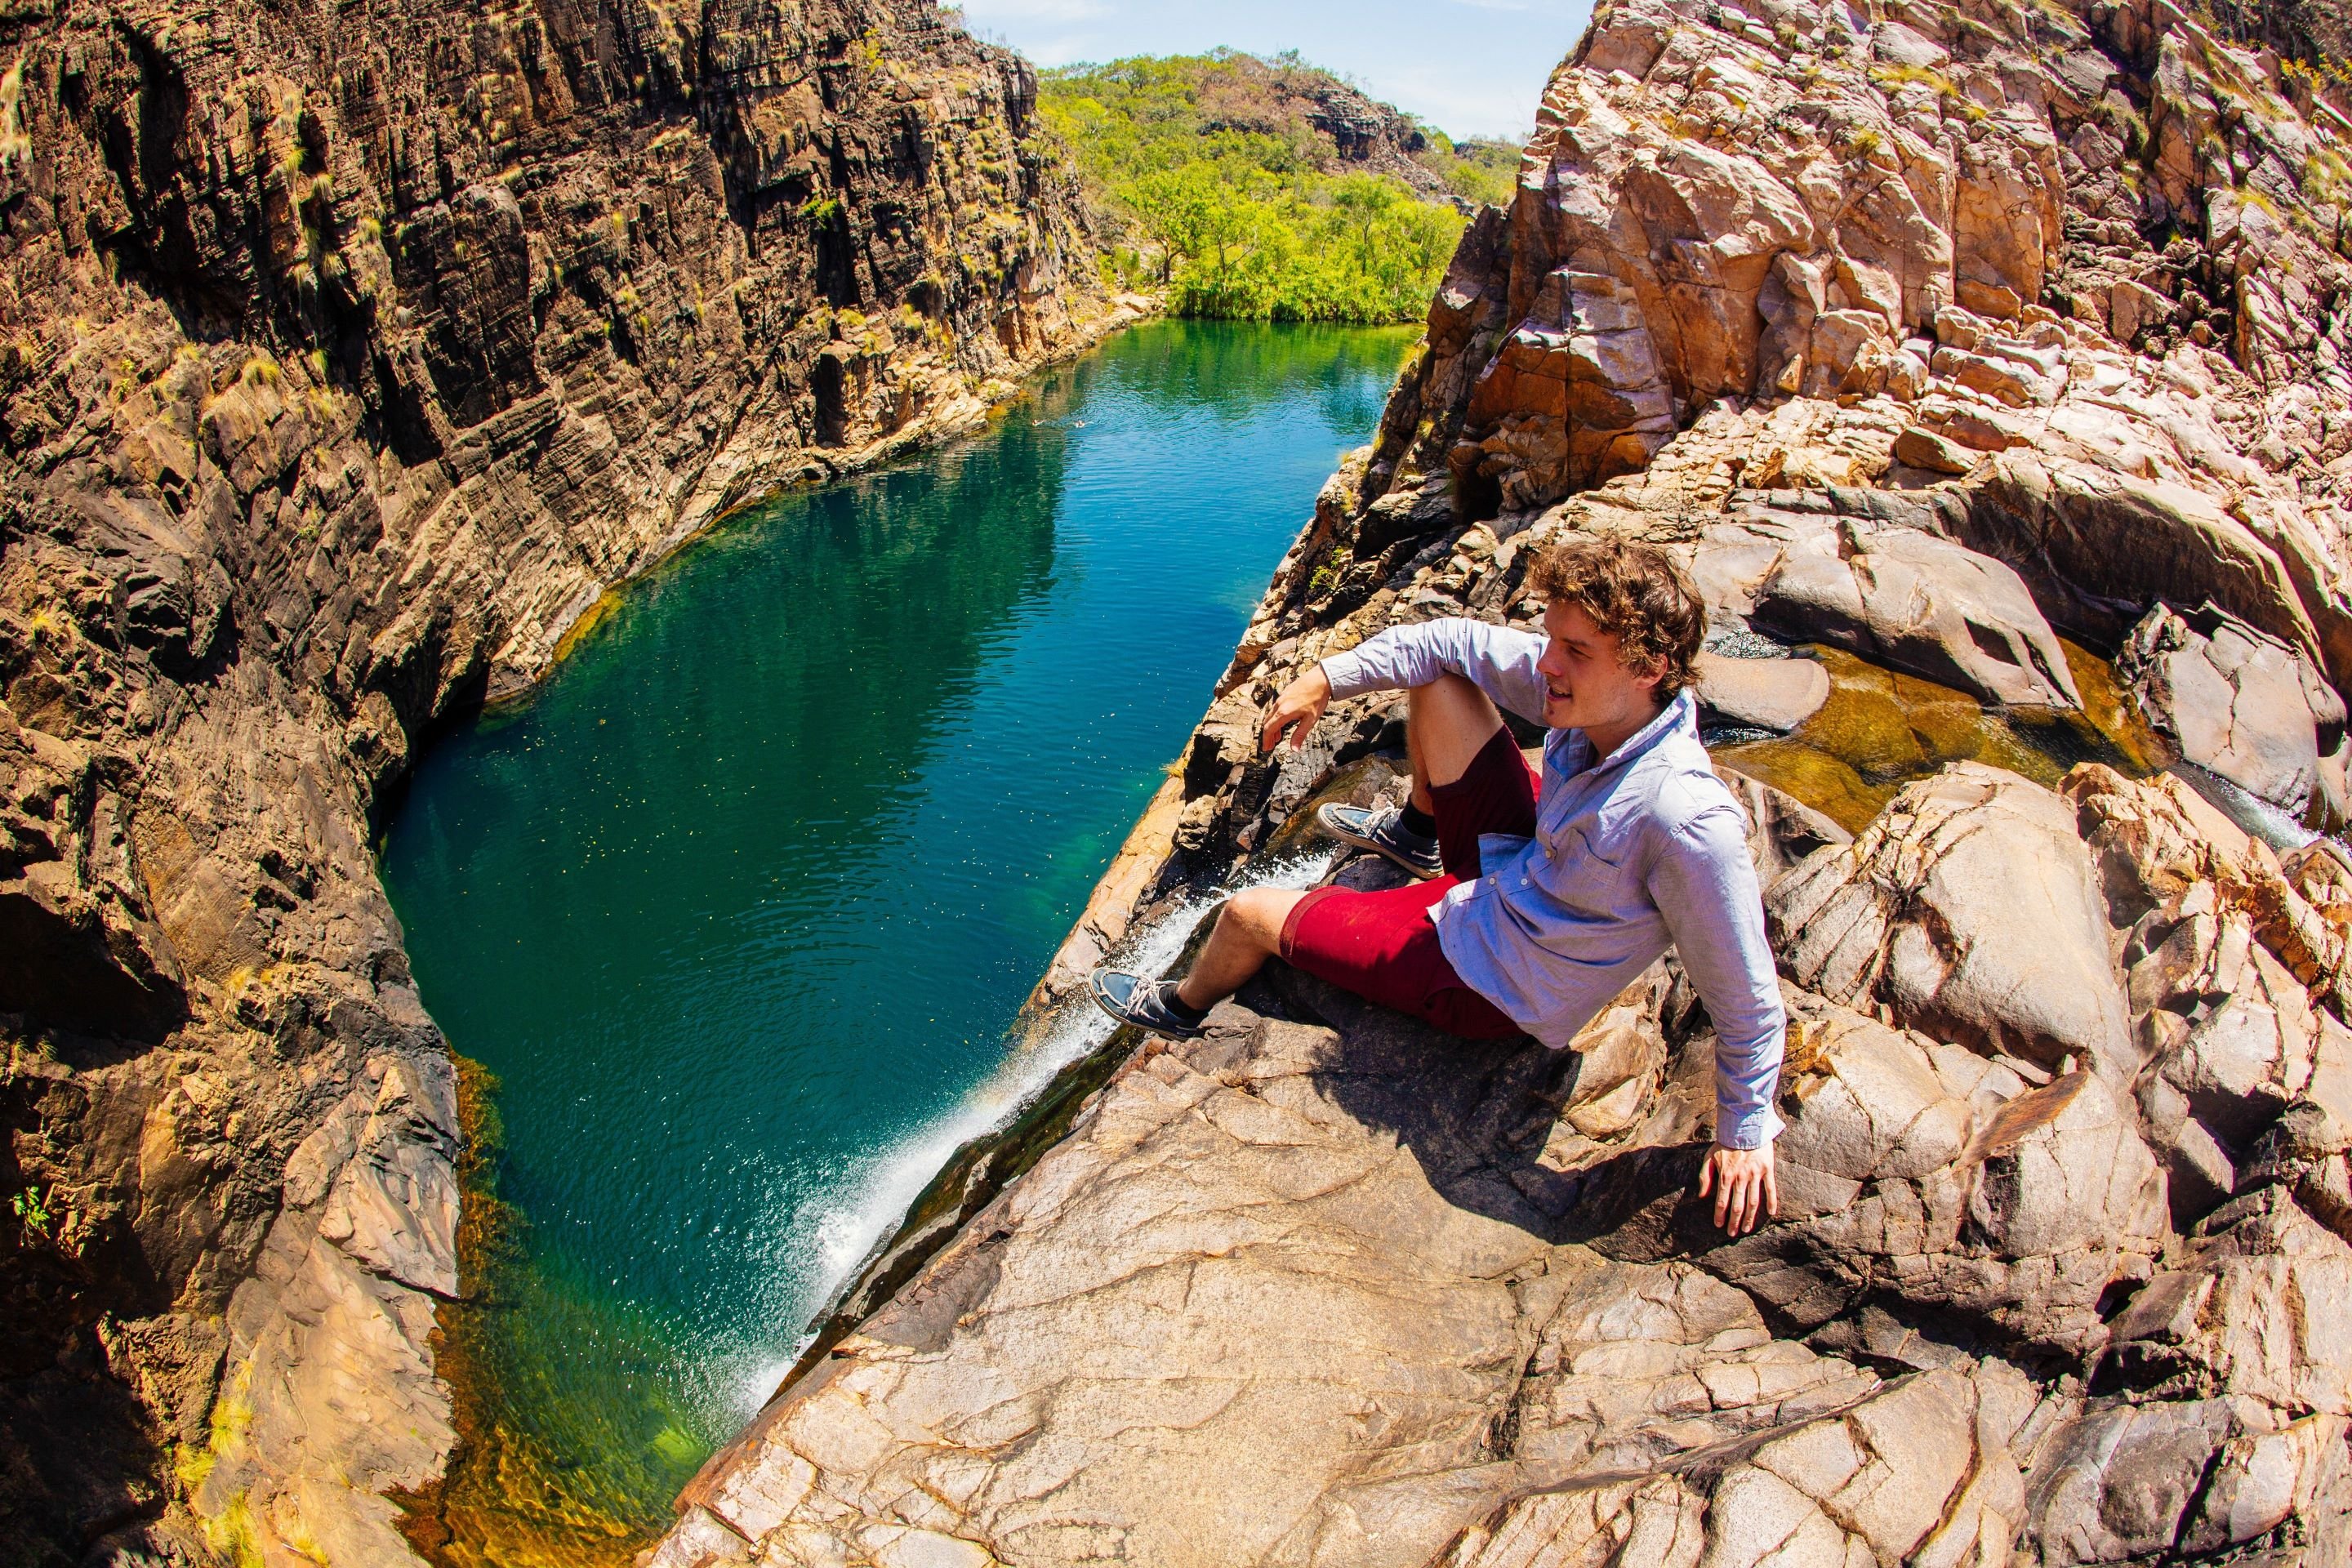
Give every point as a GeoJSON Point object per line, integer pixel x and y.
{"type": "Point", "coordinates": [1589, 873]}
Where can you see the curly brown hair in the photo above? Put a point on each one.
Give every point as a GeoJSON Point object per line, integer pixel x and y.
{"type": "Point", "coordinates": [1636, 593]}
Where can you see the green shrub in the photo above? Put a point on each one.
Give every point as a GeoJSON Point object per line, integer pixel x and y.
{"type": "Point", "coordinates": [31, 1211]}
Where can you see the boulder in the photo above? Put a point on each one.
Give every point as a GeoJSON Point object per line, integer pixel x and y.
{"type": "Point", "coordinates": [1895, 595]}
{"type": "Point", "coordinates": [1934, 451]}
{"type": "Point", "coordinates": [1922, 1173]}
{"type": "Point", "coordinates": [2132, 308]}
{"type": "Point", "coordinates": [2263, 1478]}
{"type": "Point", "coordinates": [2120, 1479]}
{"type": "Point", "coordinates": [2244, 704]}
{"type": "Point", "coordinates": [1817, 349]}
{"type": "Point", "coordinates": [2228, 1028]}
{"type": "Point", "coordinates": [2221, 957]}
{"type": "Point", "coordinates": [1580, 371]}
{"type": "Point", "coordinates": [1781, 829]}
{"type": "Point", "coordinates": [1970, 909]}
{"type": "Point", "coordinates": [1971, 423]}
{"type": "Point", "coordinates": [1995, 377]}
{"type": "Point", "coordinates": [2164, 853]}
{"type": "Point", "coordinates": [2260, 1307]}
{"type": "Point", "coordinates": [1770, 693]}
{"type": "Point", "coordinates": [2096, 547]}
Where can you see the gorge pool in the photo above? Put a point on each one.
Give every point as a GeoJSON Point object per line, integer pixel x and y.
{"type": "Point", "coordinates": [734, 912]}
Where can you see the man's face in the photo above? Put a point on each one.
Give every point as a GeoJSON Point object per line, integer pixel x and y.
{"type": "Point", "coordinates": [1588, 686]}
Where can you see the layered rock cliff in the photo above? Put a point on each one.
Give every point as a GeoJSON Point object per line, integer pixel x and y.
{"type": "Point", "coordinates": [347, 358]}
{"type": "Point", "coordinates": [1985, 363]}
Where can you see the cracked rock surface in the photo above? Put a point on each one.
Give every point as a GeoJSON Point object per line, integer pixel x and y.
{"type": "Point", "coordinates": [2242, 704]}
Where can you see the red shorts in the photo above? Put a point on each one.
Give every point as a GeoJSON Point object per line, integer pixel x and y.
{"type": "Point", "coordinates": [1381, 946]}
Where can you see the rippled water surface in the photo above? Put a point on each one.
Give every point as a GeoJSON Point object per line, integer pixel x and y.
{"type": "Point", "coordinates": [736, 910]}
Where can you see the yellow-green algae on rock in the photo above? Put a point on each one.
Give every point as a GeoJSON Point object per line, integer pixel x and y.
{"type": "Point", "coordinates": [1881, 728]}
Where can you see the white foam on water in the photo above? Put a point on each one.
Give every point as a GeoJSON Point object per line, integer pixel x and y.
{"type": "Point", "coordinates": [2243, 807]}
{"type": "Point", "coordinates": [846, 1218]}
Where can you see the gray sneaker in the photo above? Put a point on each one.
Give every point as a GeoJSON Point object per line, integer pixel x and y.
{"type": "Point", "coordinates": [1131, 999]}
{"type": "Point", "coordinates": [1382, 830]}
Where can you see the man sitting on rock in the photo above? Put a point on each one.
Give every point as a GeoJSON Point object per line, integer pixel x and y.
{"type": "Point", "coordinates": [1541, 899]}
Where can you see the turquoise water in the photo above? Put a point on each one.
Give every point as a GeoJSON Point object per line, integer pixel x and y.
{"type": "Point", "coordinates": [739, 906]}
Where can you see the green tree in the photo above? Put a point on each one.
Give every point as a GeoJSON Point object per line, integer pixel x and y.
{"type": "Point", "coordinates": [1190, 211]}
{"type": "Point", "coordinates": [1213, 161]}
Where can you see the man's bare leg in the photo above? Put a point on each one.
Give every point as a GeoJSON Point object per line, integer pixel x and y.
{"type": "Point", "coordinates": [1248, 932]}
{"type": "Point", "coordinates": [1447, 723]}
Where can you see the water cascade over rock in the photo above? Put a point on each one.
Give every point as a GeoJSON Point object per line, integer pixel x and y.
{"type": "Point", "coordinates": [1955, 347]}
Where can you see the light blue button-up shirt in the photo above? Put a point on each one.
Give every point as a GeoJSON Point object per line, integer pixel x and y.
{"type": "Point", "coordinates": [1644, 847]}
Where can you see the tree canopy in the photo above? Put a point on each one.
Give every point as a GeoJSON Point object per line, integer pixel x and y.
{"type": "Point", "coordinates": [1243, 209]}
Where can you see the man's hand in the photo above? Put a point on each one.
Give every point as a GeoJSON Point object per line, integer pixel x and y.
{"type": "Point", "coordinates": [1741, 1181]}
{"type": "Point", "coordinates": [1297, 708]}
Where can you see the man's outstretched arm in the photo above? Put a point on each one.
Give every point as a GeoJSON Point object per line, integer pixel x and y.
{"type": "Point", "coordinates": [1704, 885]}
{"type": "Point", "coordinates": [1499, 660]}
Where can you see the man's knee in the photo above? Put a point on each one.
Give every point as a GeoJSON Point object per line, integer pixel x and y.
{"type": "Point", "coordinates": [1445, 691]}
{"type": "Point", "coordinates": [1258, 915]}
{"type": "Point", "coordinates": [1451, 721]}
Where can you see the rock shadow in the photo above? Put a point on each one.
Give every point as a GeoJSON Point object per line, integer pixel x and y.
{"type": "Point", "coordinates": [1476, 1115]}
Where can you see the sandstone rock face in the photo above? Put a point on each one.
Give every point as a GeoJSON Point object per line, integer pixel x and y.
{"type": "Point", "coordinates": [1532, 1397]}
{"type": "Point", "coordinates": [1339, 1290]}
{"type": "Point", "coordinates": [2243, 705]}
{"type": "Point", "coordinates": [1783, 205]}
{"type": "Point", "coordinates": [1934, 336]}
{"type": "Point", "coordinates": [344, 364]}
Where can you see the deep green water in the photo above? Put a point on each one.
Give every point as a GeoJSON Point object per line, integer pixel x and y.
{"type": "Point", "coordinates": [739, 906]}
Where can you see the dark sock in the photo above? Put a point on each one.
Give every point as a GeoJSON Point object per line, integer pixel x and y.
{"type": "Point", "coordinates": [1187, 1016]}
{"type": "Point", "coordinates": [1417, 822]}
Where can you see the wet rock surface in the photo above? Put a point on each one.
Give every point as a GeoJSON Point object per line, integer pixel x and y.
{"type": "Point", "coordinates": [345, 362]}
{"type": "Point", "coordinates": [1948, 346]}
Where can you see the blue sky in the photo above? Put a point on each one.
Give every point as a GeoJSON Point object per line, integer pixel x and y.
{"type": "Point", "coordinates": [1469, 66]}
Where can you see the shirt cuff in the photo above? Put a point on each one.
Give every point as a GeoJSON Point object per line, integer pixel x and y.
{"type": "Point", "coordinates": [1346, 673]}
{"type": "Point", "coordinates": [1753, 1131]}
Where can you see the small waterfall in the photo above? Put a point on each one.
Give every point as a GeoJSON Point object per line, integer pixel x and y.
{"type": "Point", "coordinates": [863, 1220]}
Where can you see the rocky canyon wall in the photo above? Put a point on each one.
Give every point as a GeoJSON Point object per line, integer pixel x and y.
{"type": "Point", "coordinates": [348, 355]}
{"type": "Point", "coordinates": [1985, 364]}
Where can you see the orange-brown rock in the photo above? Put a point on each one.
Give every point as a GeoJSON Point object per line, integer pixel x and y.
{"type": "Point", "coordinates": [347, 357]}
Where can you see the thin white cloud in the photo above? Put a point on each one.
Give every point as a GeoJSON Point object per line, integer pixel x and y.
{"type": "Point", "coordinates": [1067, 49]}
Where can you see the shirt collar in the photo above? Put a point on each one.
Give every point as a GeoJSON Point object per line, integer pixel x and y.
{"type": "Point", "coordinates": [1679, 715]}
